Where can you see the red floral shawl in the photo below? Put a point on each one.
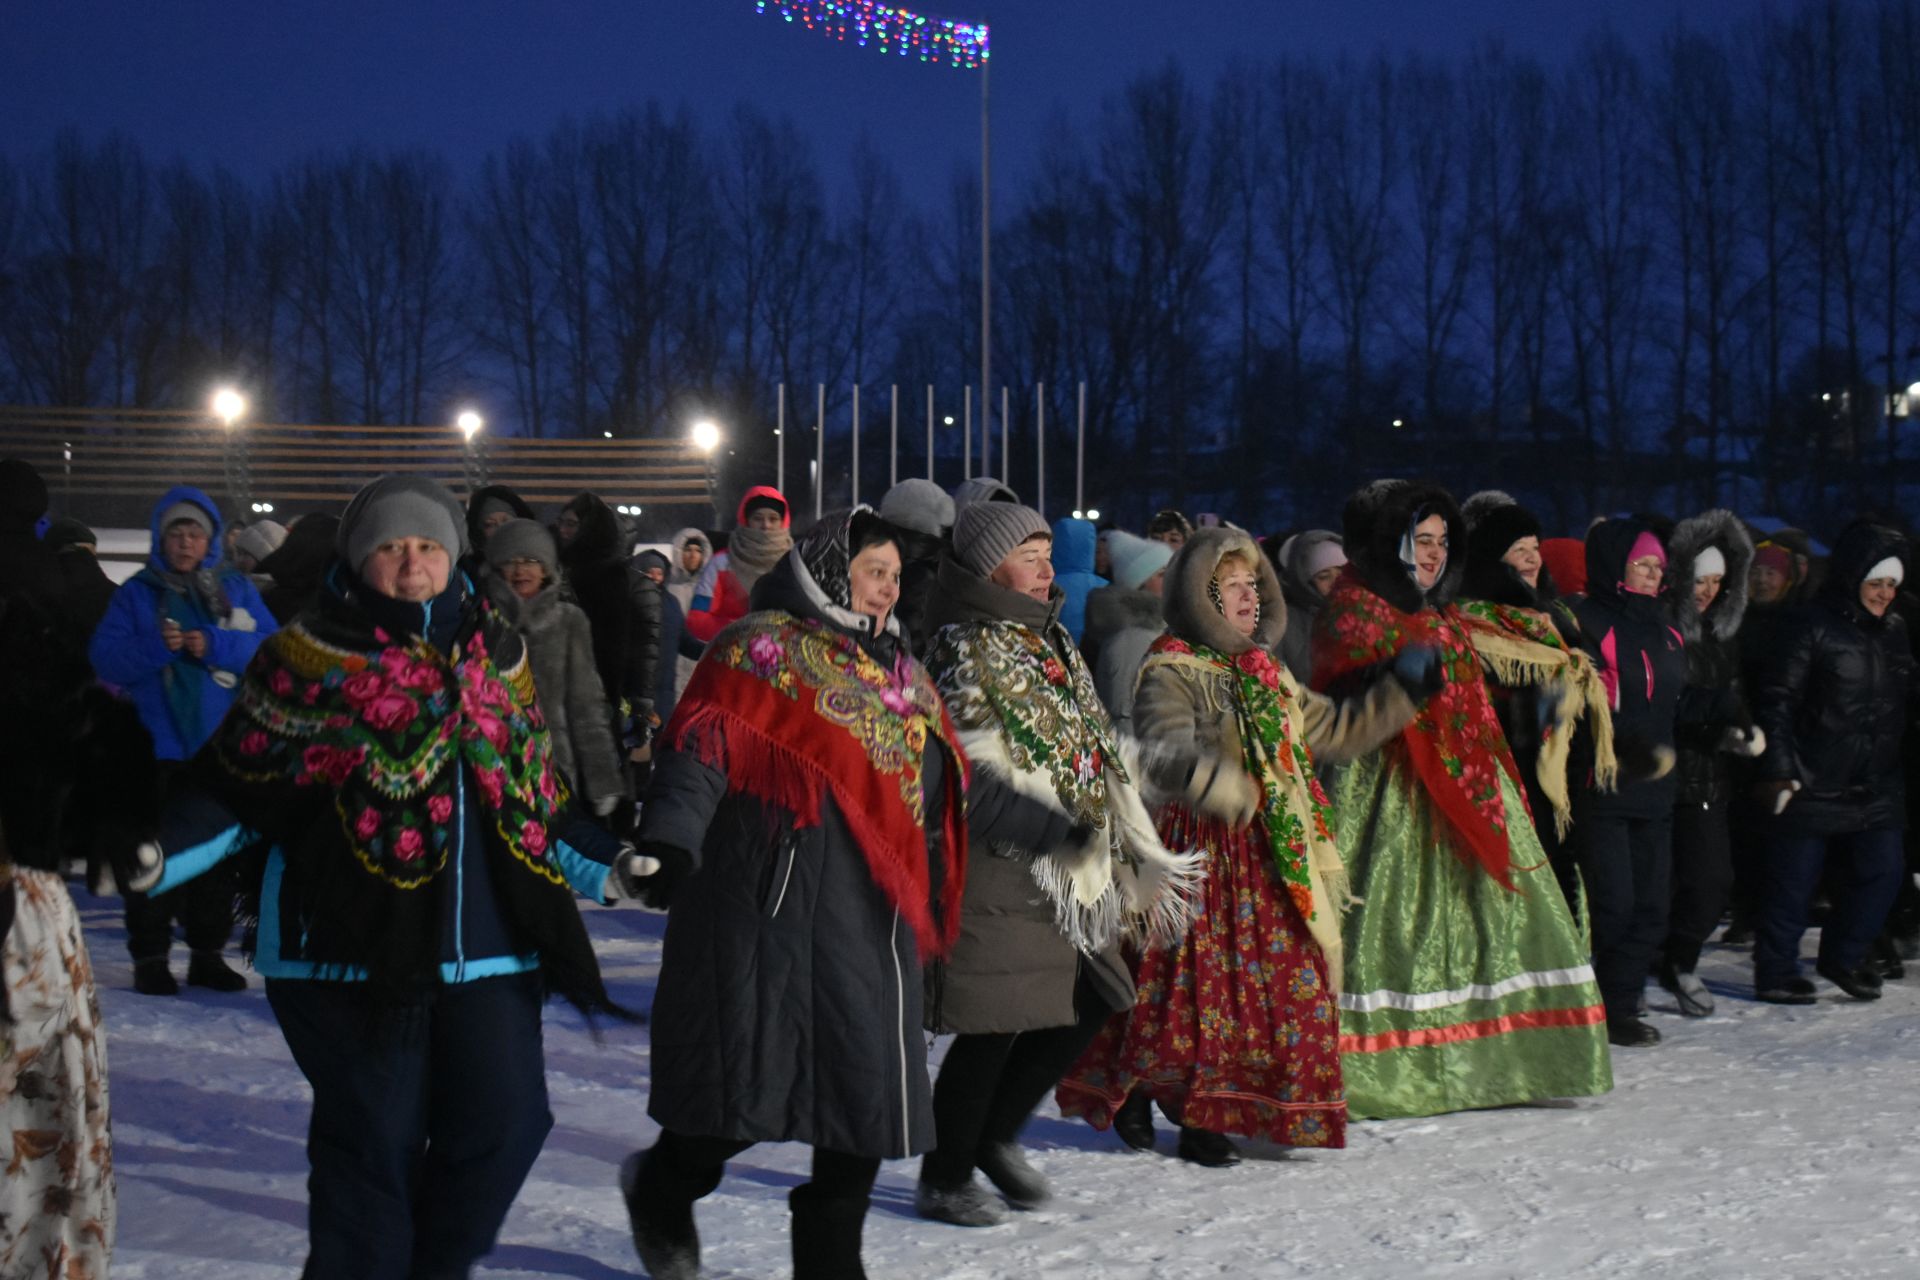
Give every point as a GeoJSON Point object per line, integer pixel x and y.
{"type": "Point", "coordinates": [793, 711]}
{"type": "Point", "coordinates": [1454, 744]}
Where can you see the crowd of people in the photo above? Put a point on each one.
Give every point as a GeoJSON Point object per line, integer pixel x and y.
{"type": "Point", "coordinates": [1267, 835]}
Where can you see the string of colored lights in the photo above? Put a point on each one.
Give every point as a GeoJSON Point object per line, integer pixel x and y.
{"type": "Point", "coordinates": [890, 28]}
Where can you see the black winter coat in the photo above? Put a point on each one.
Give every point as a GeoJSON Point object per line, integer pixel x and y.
{"type": "Point", "coordinates": [621, 603]}
{"type": "Point", "coordinates": [1714, 700]}
{"type": "Point", "coordinates": [1642, 659]}
{"type": "Point", "coordinates": [1835, 700]}
{"type": "Point", "coordinates": [790, 999]}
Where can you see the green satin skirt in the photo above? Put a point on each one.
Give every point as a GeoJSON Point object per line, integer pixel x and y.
{"type": "Point", "coordinates": [1459, 993]}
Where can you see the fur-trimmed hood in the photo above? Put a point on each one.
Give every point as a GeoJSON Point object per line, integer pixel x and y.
{"type": "Point", "coordinates": [1496, 522]}
{"type": "Point", "coordinates": [1292, 559]}
{"type": "Point", "coordinates": [1376, 521]}
{"type": "Point", "coordinates": [1189, 610]}
{"type": "Point", "coordinates": [1716, 528]}
{"type": "Point", "coordinates": [1111, 610]}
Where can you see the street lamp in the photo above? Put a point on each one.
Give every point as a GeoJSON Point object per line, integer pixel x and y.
{"type": "Point", "coordinates": [230, 406]}
{"type": "Point", "coordinates": [469, 423]}
{"type": "Point", "coordinates": [706, 435]}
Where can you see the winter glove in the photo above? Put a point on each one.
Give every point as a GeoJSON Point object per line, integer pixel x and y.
{"type": "Point", "coordinates": [1748, 742]}
{"type": "Point", "coordinates": [629, 875]}
{"type": "Point", "coordinates": [1220, 788]}
{"type": "Point", "coordinates": [134, 873]}
{"type": "Point", "coordinates": [1420, 672]}
{"type": "Point", "coordinates": [1776, 795]}
{"type": "Point", "coordinates": [672, 865]}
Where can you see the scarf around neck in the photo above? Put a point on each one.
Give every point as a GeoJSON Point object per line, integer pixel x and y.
{"type": "Point", "coordinates": [1454, 744]}
{"type": "Point", "coordinates": [1295, 814]}
{"type": "Point", "coordinates": [795, 712]}
{"type": "Point", "coordinates": [396, 732]}
{"type": "Point", "coordinates": [752, 552]}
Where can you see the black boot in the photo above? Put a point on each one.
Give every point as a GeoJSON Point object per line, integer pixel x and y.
{"type": "Point", "coordinates": [1133, 1122]}
{"type": "Point", "coordinates": [210, 969]}
{"type": "Point", "coordinates": [1631, 1033]}
{"type": "Point", "coordinates": [1006, 1167]}
{"type": "Point", "coordinates": [154, 977]}
{"type": "Point", "coordinates": [826, 1234]}
{"type": "Point", "coordinates": [1208, 1149]}
{"type": "Point", "coordinates": [1861, 983]}
{"type": "Point", "coordinates": [660, 1211]}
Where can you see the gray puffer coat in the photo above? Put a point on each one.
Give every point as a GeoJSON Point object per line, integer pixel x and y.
{"type": "Point", "coordinates": [572, 701]}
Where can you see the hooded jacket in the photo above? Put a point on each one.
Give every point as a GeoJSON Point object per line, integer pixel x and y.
{"type": "Point", "coordinates": [1187, 717]}
{"type": "Point", "coordinates": [680, 583]}
{"type": "Point", "coordinates": [622, 605]}
{"type": "Point", "coordinates": [181, 699]}
{"type": "Point", "coordinates": [1715, 698]}
{"type": "Point", "coordinates": [1835, 702]}
{"type": "Point", "coordinates": [1641, 657]}
{"type": "Point", "coordinates": [723, 592]}
{"type": "Point", "coordinates": [1304, 600]}
{"type": "Point", "coordinates": [476, 536]}
{"type": "Point", "coordinates": [1074, 543]}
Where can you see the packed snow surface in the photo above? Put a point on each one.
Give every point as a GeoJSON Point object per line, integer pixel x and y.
{"type": "Point", "coordinates": [1763, 1140]}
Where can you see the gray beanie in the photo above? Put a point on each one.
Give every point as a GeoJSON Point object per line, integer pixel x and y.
{"type": "Point", "coordinates": [398, 505]}
{"type": "Point", "coordinates": [523, 539]}
{"type": "Point", "coordinates": [980, 489]}
{"type": "Point", "coordinates": [261, 538]}
{"type": "Point", "coordinates": [919, 505]}
{"type": "Point", "coordinates": [186, 511]}
{"type": "Point", "coordinates": [987, 531]}
{"type": "Point", "coordinates": [1136, 559]}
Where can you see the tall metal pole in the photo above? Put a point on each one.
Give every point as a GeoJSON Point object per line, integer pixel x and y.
{"type": "Point", "coordinates": [893, 450]}
{"type": "Point", "coordinates": [1006, 439]}
{"type": "Point", "coordinates": [1040, 447]}
{"type": "Point", "coordinates": [819, 449]}
{"type": "Point", "coordinates": [929, 431]}
{"type": "Point", "coordinates": [855, 468]}
{"type": "Point", "coordinates": [780, 443]}
{"type": "Point", "coordinates": [966, 435]}
{"type": "Point", "coordinates": [1080, 455]}
{"type": "Point", "coordinates": [986, 264]}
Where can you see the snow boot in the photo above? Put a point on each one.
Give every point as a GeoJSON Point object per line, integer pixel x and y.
{"type": "Point", "coordinates": [210, 969]}
{"type": "Point", "coordinates": [1207, 1149]}
{"type": "Point", "coordinates": [826, 1234]}
{"type": "Point", "coordinates": [1133, 1122]}
{"type": "Point", "coordinates": [1695, 1000]}
{"type": "Point", "coordinates": [1006, 1167]}
{"type": "Point", "coordinates": [661, 1215]}
{"type": "Point", "coordinates": [1884, 958]}
{"type": "Point", "coordinates": [1792, 991]}
{"type": "Point", "coordinates": [1861, 983]}
{"type": "Point", "coordinates": [154, 977]}
{"type": "Point", "coordinates": [967, 1205]}
{"type": "Point", "coordinates": [1632, 1033]}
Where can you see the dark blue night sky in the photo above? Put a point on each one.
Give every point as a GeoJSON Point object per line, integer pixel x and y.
{"type": "Point", "coordinates": [255, 85]}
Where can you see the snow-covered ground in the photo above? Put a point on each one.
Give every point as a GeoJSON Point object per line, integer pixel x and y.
{"type": "Point", "coordinates": [1764, 1140]}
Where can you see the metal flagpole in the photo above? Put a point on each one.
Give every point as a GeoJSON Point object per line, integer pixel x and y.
{"type": "Point", "coordinates": [1080, 455]}
{"type": "Point", "coordinates": [856, 444]}
{"type": "Point", "coordinates": [986, 264]}
{"type": "Point", "coordinates": [1006, 414]}
{"type": "Point", "coordinates": [893, 450]}
{"type": "Point", "coordinates": [929, 431]}
{"type": "Point", "coordinates": [819, 449]}
{"type": "Point", "coordinates": [780, 443]}
{"type": "Point", "coordinates": [1040, 448]}
{"type": "Point", "coordinates": [966, 435]}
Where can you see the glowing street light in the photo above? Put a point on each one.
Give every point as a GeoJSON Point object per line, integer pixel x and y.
{"type": "Point", "coordinates": [469, 423]}
{"type": "Point", "coordinates": [229, 406]}
{"type": "Point", "coordinates": [706, 435]}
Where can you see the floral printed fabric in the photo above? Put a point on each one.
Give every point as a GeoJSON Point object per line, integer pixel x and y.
{"type": "Point", "coordinates": [1235, 1028]}
{"type": "Point", "coordinates": [386, 729]}
{"type": "Point", "coordinates": [1454, 744]}
{"type": "Point", "coordinates": [57, 1199]}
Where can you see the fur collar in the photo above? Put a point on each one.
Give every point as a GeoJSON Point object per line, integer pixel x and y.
{"type": "Point", "coordinates": [1111, 610]}
{"type": "Point", "coordinates": [1189, 609]}
{"type": "Point", "coordinates": [1717, 528]}
{"type": "Point", "coordinates": [1376, 521]}
{"type": "Point", "coordinates": [961, 595]}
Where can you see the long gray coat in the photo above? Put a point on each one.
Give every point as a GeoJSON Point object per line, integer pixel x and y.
{"type": "Point", "coordinates": [572, 701]}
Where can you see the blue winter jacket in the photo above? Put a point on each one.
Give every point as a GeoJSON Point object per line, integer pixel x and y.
{"type": "Point", "coordinates": [127, 650]}
{"type": "Point", "coordinates": [1073, 547]}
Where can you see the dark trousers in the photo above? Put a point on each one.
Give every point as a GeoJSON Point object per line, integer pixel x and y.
{"type": "Point", "coordinates": [425, 1122]}
{"type": "Point", "coordinates": [1627, 866]}
{"type": "Point", "coordinates": [203, 906]}
{"type": "Point", "coordinates": [990, 1084]}
{"type": "Point", "coordinates": [685, 1167]}
{"type": "Point", "coordinates": [1702, 881]}
{"type": "Point", "coordinates": [1863, 870]}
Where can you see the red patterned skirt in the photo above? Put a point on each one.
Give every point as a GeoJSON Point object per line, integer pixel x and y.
{"type": "Point", "coordinates": [1235, 1028]}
